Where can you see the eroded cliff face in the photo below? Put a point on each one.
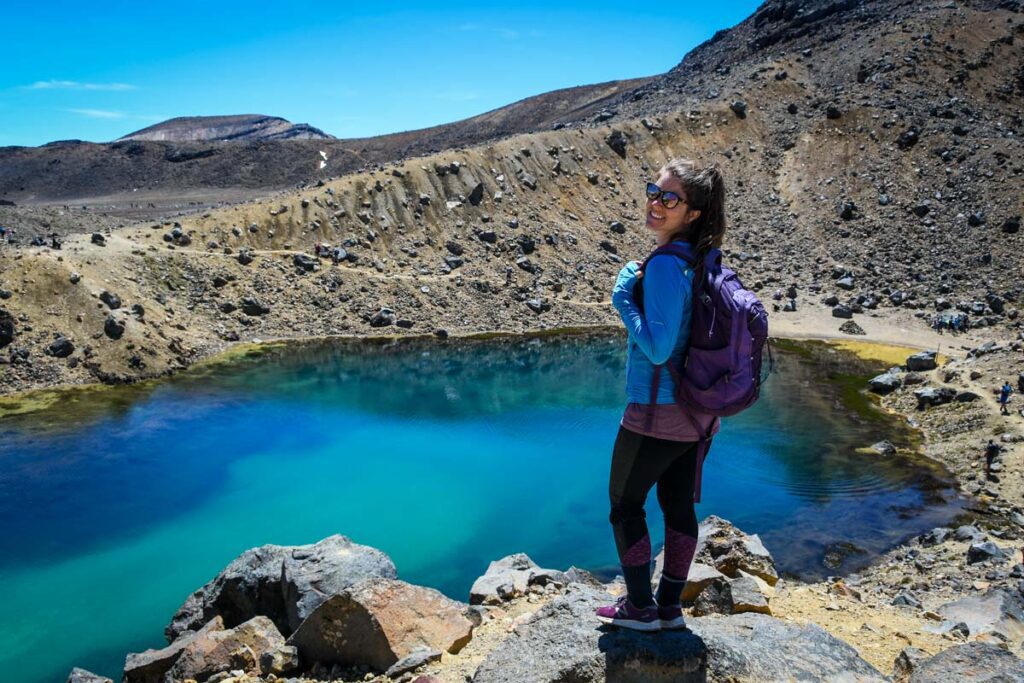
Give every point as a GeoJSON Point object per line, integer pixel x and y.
{"type": "Point", "coordinates": [877, 170]}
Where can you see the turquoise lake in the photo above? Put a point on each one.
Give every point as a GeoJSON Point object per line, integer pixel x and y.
{"type": "Point", "coordinates": [115, 505]}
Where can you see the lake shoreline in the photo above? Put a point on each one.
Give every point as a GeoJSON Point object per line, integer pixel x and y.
{"type": "Point", "coordinates": [857, 609]}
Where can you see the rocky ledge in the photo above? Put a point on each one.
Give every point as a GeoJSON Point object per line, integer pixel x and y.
{"type": "Point", "coordinates": [335, 610]}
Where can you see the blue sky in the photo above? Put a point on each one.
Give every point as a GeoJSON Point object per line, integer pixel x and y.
{"type": "Point", "coordinates": [99, 70]}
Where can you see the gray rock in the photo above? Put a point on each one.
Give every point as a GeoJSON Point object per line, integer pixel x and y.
{"type": "Point", "coordinates": [884, 448]}
{"type": "Point", "coordinates": [113, 301]}
{"type": "Point", "coordinates": [907, 661]}
{"type": "Point", "coordinates": [925, 360]}
{"type": "Point", "coordinates": [577, 575]}
{"type": "Point", "coordinates": [239, 648]}
{"type": "Point", "coordinates": [907, 599]}
{"type": "Point", "coordinates": [511, 577]}
{"type": "Point", "coordinates": [885, 383]}
{"type": "Point", "coordinates": [311, 574]}
{"type": "Point", "coordinates": [306, 263]}
{"type": "Point", "coordinates": [617, 141]}
{"type": "Point", "coordinates": [729, 550]}
{"type": "Point", "coordinates": [845, 283]}
{"type": "Point", "coordinates": [113, 327]}
{"type": "Point", "coordinates": [996, 611]}
{"type": "Point", "coordinates": [538, 305]}
{"type": "Point", "coordinates": [564, 642]}
{"type": "Point", "coordinates": [527, 265]}
{"type": "Point", "coordinates": [279, 660]}
{"type": "Point", "coordinates": [984, 552]}
{"type": "Point", "coordinates": [757, 647]}
{"type": "Point", "coordinates": [971, 662]}
{"type": "Point", "coordinates": [747, 596]}
{"type": "Point", "coordinates": [842, 311]}
{"type": "Point", "coordinates": [258, 581]}
{"type": "Point", "coordinates": [931, 396]}
{"type": "Point", "coordinates": [476, 195]}
{"type": "Point", "coordinates": [61, 347]}
{"type": "Point", "coordinates": [383, 318]}
{"type": "Point", "coordinates": [936, 536]}
{"type": "Point", "coordinates": [151, 665]}
{"type": "Point", "coordinates": [739, 108]}
{"type": "Point", "coordinates": [6, 328]}
{"type": "Point", "coordinates": [378, 622]}
{"type": "Point", "coordinates": [969, 532]}
{"type": "Point", "coordinates": [716, 598]}
{"type": "Point", "coordinates": [413, 661]}
{"type": "Point", "coordinates": [82, 676]}
{"type": "Point", "coordinates": [252, 306]}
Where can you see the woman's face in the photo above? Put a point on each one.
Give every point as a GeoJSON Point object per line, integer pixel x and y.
{"type": "Point", "coordinates": [662, 221]}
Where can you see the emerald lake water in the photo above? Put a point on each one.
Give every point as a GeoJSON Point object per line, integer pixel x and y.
{"type": "Point", "coordinates": [115, 505]}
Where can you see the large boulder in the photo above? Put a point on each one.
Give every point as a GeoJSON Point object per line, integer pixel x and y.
{"type": "Point", "coordinates": [757, 647]}
{"type": "Point", "coordinates": [971, 662]}
{"type": "Point", "coordinates": [151, 665]}
{"type": "Point", "coordinates": [564, 641]}
{"type": "Point", "coordinates": [379, 621]}
{"type": "Point", "coordinates": [995, 611]}
{"type": "Point", "coordinates": [311, 574]}
{"type": "Point", "coordinates": [924, 360]}
{"type": "Point", "coordinates": [284, 583]}
{"type": "Point", "coordinates": [511, 577]}
{"type": "Point", "coordinates": [931, 396]}
{"type": "Point", "coordinates": [885, 383]}
{"type": "Point", "coordinates": [240, 648]}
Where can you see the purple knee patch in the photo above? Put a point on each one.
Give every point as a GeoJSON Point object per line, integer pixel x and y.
{"type": "Point", "coordinates": [639, 553]}
{"type": "Point", "coordinates": [679, 550]}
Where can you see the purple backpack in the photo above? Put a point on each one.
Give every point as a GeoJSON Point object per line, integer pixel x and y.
{"type": "Point", "coordinates": [721, 371]}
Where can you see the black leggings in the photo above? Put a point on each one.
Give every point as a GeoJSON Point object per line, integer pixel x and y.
{"type": "Point", "coordinates": [638, 463]}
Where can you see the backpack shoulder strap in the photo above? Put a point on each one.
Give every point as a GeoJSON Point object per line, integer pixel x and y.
{"type": "Point", "coordinates": [674, 249]}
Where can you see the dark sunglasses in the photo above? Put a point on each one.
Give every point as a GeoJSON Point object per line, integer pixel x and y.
{"type": "Point", "coordinates": [668, 198]}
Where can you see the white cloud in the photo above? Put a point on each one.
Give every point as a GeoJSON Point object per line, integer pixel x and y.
{"type": "Point", "coordinates": [78, 85]}
{"type": "Point", "coordinates": [98, 113]}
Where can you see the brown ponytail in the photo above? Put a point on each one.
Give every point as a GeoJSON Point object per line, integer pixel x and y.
{"type": "Point", "coordinates": [705, 192]}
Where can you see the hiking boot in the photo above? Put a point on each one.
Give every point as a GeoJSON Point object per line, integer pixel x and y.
{"type": "Point", "coordinates": [624, 614]}
{"type": "Point", "coordinates": [671, 616]}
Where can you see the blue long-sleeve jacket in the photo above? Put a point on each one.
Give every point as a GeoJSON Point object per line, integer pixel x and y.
{"type": "Point", "coordinates": [662, 331]}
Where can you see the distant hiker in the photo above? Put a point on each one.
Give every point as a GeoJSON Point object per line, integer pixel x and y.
{"type": "Point", "coordinates": [660, 442]}
{"type": "Point", "coordinates": [1004, 398]}
{"type": "Point", "coordinates": [992, 451]}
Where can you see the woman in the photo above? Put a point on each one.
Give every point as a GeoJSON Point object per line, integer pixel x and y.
{"type": "Point", "coordinates": [656, 443]}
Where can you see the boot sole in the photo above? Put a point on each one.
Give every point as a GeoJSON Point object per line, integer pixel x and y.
{"type": "Point", "coordinates": [677, 624]}
{"type": "Point", "coordinates": [633, 624]}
